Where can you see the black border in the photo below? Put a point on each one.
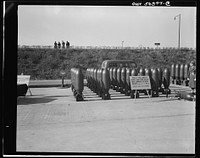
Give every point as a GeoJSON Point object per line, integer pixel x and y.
{"type": "Point", "coordinates": [173, 3]}
{"type": "Point", "coordinates": [9, 79]}
{"type": "Point", "coordinates": [9, 74]}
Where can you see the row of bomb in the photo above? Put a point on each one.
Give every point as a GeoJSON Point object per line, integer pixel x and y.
{"type": "Point", "coordinates": [118, 78]}
{"type": "Point", "coordinates": [99, 82]}
{"type": "Point", "coordinates": [180, 74]}
{"type": "Point", "coordinates": [159, 80]}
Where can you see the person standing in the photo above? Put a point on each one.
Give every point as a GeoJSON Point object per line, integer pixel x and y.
{"type": "Point", "coordinates": [67, 44]}
{"type": "Point", "coordinates": [55, 45]}
{"type": "Point", "coordinates": [59, 45]}
{"type": "Point", "coordinates": [63, 44]}
{"type": "Point", "coordinates": [192, 76]}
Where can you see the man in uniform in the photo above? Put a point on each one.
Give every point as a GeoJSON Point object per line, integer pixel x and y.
{"type": "Point", "coordinates": [192, 76]}
{"type": "Point", "coordinates": [55, 44]}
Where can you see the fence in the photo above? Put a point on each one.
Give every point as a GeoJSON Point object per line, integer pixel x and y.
{"type": "Point", "coordinates": [104, 47]}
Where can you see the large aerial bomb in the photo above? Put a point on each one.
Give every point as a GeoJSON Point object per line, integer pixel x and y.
{"type": "Point", "coordinates": [181, 73]}
{"type": "Point", "coordinates": [77, 83]}
{"type": "Point", "coordinates": [134, 72]}
{"type": "Point", "coordinates": [148, 73]}
{"type": "Point", "coordinates": [154, 82]}
{"type": "Point", "coordinates": [177, 74]}
{"type": "Point", "coordinates": [105, 84]}
{"type": "Point", "coordinates": [99, 82]}
{"type": "Point", "coordinates": [114, 78]}
{"type": "Point", "coordinates": [173, 73]}
{"type": "Point", "coordinates": [141, 72]}
{"type": "Point", "coordinates": [186, 70]}
{"type": "Point", "coordinates": [123, 80]}
{"type": "Point", "coordinates": [160, 77]}
{"type": "Point", "coordinates": [119, 82]}
{"type": "Point", "coordinates": [95, 80]}
{"type": "Point", "coordinates": [166, 81]}
{"type": "Point", "coordinates": [111, 77]}
{"type": "Point", "coordinates": [92, 78]}
{"type": "Point", "coordinates": [128, 85]}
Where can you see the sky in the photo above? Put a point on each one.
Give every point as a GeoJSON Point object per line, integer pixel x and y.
{"type": "Point", "coordinates": [106, 25]}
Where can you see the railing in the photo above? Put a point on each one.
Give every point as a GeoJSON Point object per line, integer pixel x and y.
{"type": "Point", "coordinates": [104, 47]}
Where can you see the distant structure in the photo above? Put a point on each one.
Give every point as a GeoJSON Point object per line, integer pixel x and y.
{"type": "Point", "coordinates": [55, 45]}
{"type": "Point", "coordinates": [63, 44]}
{"type": "Point", "coordinates": [67, 44]}
{"type": "Point", "coordinates": [157, 44]}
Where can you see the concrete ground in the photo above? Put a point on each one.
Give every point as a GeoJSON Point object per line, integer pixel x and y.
{"type": "Point", "coordinates": [51, 121]}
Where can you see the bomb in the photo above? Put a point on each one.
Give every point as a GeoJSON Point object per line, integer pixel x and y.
{"type": "Point", "coordinates": [173, 73]}
{"type": "Point", "coordinates": [77, 83]}
{"type": "Point", "coordinates": [166, 81]}
{"type": "Point", "coordinates": [134, 72]}
{"type": "Point", "coordinates": [114, 72]}
{"type": "Point", "coordinates": [119, 82]}
{"type": "Point", "coordinates": [99, 82]}
{"type": "Point", "coordinates": [92, 80]}
{"type": "Point", "coordinates": [160, 76]}
{"type": "Point", "coordinates": [141, 72]}
{"type": "Point", "coordinates": [105, 84]}
{"type": "Point", "coordinates": [111, 77]}
{"type": "Point", "coordinates": [128, 86]}
{"type": "Point", "coordinates": [181, 73]}
{"type": "Point", "coordinates": [154, 82]}
{"type": "Point", "coordinates": [95, 80]}
{"type": "Point", "coordinates": [177, 74]}
{"type": "Point", "coordinates": [186, 70]}
{"type": "Point", "coordinates": [148, 73]}
{"type": "Point", "coordinates": [123, 79]}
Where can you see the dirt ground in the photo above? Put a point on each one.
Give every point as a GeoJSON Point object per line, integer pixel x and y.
{"type": "Point", "coordinates": [52, 121]}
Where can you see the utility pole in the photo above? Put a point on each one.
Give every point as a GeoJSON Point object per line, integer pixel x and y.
{"type": "Point", "coordinates": [179, 29]}
{"type": "Point", "coordinates": [122, 43]}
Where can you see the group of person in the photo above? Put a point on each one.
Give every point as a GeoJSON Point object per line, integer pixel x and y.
{"type": "Point", "coordinates": [58, 45]}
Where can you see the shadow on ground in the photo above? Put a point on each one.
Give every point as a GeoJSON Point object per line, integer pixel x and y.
{"type": "Point", "coordinates": [31, 100]}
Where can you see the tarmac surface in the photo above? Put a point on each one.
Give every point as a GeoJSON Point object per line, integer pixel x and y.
{"type": "Point", "coordinates": [50, 120]}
